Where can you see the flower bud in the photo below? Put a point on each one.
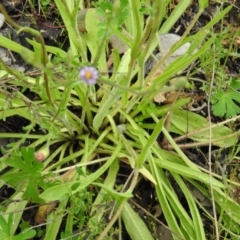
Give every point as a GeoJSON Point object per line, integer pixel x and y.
{"type": "Point", "coordinates": [42, 154]}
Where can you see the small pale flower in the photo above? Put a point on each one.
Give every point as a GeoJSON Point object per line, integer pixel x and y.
{"type": "Point", "coordinates": [89, 75]}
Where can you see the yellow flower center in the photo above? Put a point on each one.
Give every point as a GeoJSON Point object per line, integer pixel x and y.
{"type": "Point", "coordinates": [88, 75]}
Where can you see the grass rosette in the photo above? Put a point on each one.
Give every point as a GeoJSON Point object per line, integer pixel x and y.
{"type": "Point", "coordinates": [94, 124]}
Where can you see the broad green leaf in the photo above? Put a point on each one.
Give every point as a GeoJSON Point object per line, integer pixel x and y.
{"type": "Point", "coordinates": [231, 208]}
{"type": "Point", "coordinates": [92, 39]}
{"type": "Point", "coordinates": [185, 122]}
{"type": "Point", "coordinates": [26, 162]}
{"type": "Point", "coordinates": [135, 226]}
{"type": "Point", "coordinates": [29, 174]}
{"type": "Point", "coordinates": [32, 191]}
{"type": "Point", "coordinates": [224, 102]}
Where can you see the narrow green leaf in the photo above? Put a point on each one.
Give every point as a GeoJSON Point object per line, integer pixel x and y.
{"type": "Point", "coordinates": [162, 190]}
{"type": "Point", "coordinates": [178, 11]}
{"type": "Point", "coordinates": [135, 226]}
{"type": "Point", "coordinates": [65, 14]}
{"type": "Point", "coordinates": [177, 208]}
{"type": "Point", "coordinates": [187, 172]}
{"type": "Point", "coordinates": [112, 192]}
{"type": "Point", "coordinates": [57, 51]}
{"type": "Point", "coordinates": [218, 17]}
{"type": "Point", "coordinates": [142, 156]}
{"type": "Point", "coordinates": [198, 233]}
{"type": "Point", "coordinates": [203, 4]}
{"type": "Point", "coordinates": [16, 208]}
{"type": "Point", "coordinates": [4, 236]}
{"type": "Point", "coordinates": [56, 218]}
{"type": "Point", "coordinates": [27, 234]}
{"type": "Point", "coordinates": [115, 94]}
{"type": "Point", "coordinates": [56, 192]}
{"type": "Point", "coordinates": [11, 45]}
{"type": "Point", "coordinates": [4, 226]}
{"type": "Point", "coordinates": [110, 182]}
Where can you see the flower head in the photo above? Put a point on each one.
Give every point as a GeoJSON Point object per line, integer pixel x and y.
{"type": "Point", "coordinates": [89, 75]}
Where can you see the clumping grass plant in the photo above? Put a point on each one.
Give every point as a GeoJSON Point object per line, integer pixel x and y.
{"type": "Point", "coordinates": [86, 121]}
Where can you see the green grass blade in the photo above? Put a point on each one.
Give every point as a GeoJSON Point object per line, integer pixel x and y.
{"type": "Point", "coordinates": [73, 34]}
{"type": "Point", "coordinates": [227, 205]}
{"type": "Point", "coordinates": [178, 11]}
{"type": "Point", "coordinates": [218, 17]}
{"type": "Point", "coordinates": [142, 156]}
